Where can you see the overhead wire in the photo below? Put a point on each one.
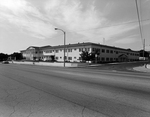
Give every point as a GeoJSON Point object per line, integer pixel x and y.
{"type": "Point", "coordinates": [140, 27]}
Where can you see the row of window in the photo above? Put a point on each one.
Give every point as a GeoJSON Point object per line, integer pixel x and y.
{"type": "Point", "coordinates": [67, 50]}
{"type": "Point", "coordinates": [56, 51]}
{"type": "Point", "coordinates": [98, 59]}
{"type": "Point", "coordinates": [95, 49]}
{"type": "Point", "coordinates": [69, 58]}
{"type": "Point", "coordinates": [88, 49]}
{"type": "Point", "coordinates": [35, 52]}
{"type": "Point", "coordinates": [117, 52]}
{"type": "Point", "coordinates": [84, 49]}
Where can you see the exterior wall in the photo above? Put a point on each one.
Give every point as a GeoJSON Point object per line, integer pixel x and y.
{"type": "Point", "coordinates": [31, 53]}
{"type": "Point", "coordinates": [72, 53]}
{"type": "Point", "coordinates": [109, 54]}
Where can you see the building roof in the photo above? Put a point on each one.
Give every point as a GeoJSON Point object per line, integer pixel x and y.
{"type": "Point", "coordinates": [35, 47]}
{"type": "Point", "coordinates": [43, 47]}
{"type": "Point", "coordinates": [86, 44]}
{"type": "Point", "coordinates": [76, 45]}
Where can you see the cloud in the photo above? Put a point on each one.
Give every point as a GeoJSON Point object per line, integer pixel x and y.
{"type": "Point", "coordinates": [113, 31]}
{"type": "Point", "coordinates": [72, 15]}
{"type": "Point", "coordinates": [127, 40]}
{"type": "Point", "coordinates": [27, 17]}
{"type": "Point", "coordinates": [147, 48]}
{"type": "Point", "coordinates": [108, 32]}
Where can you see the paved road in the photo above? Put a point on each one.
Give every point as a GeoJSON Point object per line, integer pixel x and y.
{"type": "Point", "coordinates": [109, 92]}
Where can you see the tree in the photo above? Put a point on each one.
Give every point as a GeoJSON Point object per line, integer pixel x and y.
{"type": "Point", "coordinates": [85, 56]}
{"type": "Point", "coordinates": [3, 57]}
{"type": "Point", "coordinates": [16, 56]}
{"type": "Point", "coordinates": [94, 55]}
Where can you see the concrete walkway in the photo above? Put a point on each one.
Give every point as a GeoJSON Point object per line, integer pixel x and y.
{"type": "Point", "coordinates": [19, 100]}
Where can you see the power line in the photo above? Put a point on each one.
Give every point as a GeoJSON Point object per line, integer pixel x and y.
{"type": "Point", "coordinates": [140, 27]}
{"type": "Point", "coordinates": [139, 21]}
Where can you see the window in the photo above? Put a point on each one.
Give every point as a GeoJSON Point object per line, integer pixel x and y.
{"type": "Point", "coordinates": [111, 51]}
{"type": "Point", "coordinates": [74, 57]}
{"type": "Point", "coordinates": [56, 57]}
{"type": "Point", "coordinates": [107, 59]}
{"type": "Point", "coordinates": [107, 51]}
{"type": "Point", "coordinates": [103, 59]}
{"type": "Point", "coordinates": [111, 59]}
{"type": "Point", "coordinates": [116, 52]}
{"type": "Point", "coordinates": [74, 48]}
{"type": "Point", "coordinates": [80, 50]}
{"type": "Point", "coordinates": [70, 58]}
{"type": "Point", "coordinates": [69, 50]}
{"type": "Point", "coordinates": [103, 50]}
{"type": "Point", "coordinates": [60, 57]}
{"type": "Point", "coordinates": [56, 51]}
{"type": "Point", "coordinates": [88, 49]}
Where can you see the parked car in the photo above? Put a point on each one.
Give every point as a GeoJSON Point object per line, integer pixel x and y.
{"type": "Point", "coordinates": [5, 62]}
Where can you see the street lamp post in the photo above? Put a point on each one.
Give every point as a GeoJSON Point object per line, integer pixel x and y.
{"type": "Point", "coordinates": [64, 42]}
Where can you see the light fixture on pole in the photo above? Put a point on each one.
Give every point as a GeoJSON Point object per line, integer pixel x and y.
{"type": "Point", "coordinates": [64, 42]}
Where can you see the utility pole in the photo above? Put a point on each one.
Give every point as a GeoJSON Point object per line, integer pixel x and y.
{"type": "Point", "coordinates": [143, 47]}
{"type": "Point", "coordinates": [103, 41]}
{"type": "Point", "coordinates": [140, 27]}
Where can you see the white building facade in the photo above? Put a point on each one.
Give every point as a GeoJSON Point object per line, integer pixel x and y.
{"type": "Point", "coordinates": [72, 53]}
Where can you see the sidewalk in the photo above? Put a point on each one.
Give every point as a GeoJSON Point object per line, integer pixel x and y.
{"type": "Point", "coordinates": [145, 68]}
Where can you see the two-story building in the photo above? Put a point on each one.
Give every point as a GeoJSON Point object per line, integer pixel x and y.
{"type": "Point", "coordinates": [103, 53]}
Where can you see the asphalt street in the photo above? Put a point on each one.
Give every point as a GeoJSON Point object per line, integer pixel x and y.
{"type": "Point", "coordinates": [111, 92]}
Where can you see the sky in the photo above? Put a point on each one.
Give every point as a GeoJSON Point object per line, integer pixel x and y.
{"type": "Point", "coordinates": [25, 23]}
